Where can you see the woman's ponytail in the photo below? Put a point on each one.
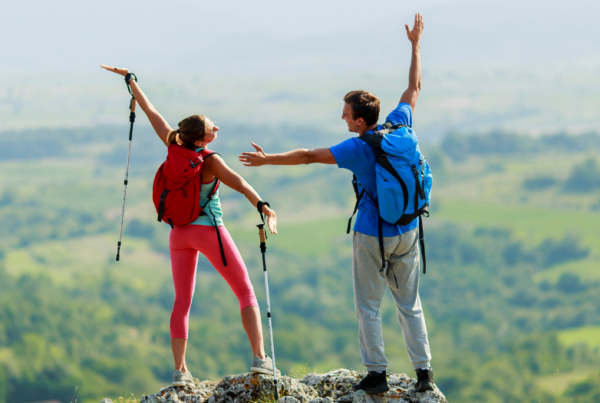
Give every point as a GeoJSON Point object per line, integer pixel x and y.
{"type": "Point", "coordinates": [172, 137]}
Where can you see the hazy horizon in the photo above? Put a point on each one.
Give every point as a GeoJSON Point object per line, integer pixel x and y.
{"type": "Point", "coordinates": [529, 67]}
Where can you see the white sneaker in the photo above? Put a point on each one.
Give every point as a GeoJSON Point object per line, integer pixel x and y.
{"type": "Point", "coordinates": [183, 379]}
{"type": "Point", "coordinates": [263, 366]}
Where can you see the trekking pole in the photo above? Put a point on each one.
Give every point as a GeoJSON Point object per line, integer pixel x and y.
{"type": "Point", "coordinates": [263, 249]}
{"type": "Point", "coordinates": [132, 104]}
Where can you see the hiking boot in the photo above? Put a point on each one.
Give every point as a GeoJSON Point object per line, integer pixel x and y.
{"type": "Point", "coordinates": [183, 379]}
{"type": "Point", "coordinates": [424, 380]}
{"type": "Point", "coordinates": [373, 383]}
{"type": "Point", "coordinates": [263, 366]}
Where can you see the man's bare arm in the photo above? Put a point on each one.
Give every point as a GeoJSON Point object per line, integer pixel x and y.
{"type": "Point", "coordinates": [295, 157]}
{"type": "Point", "coordinates": [414, 76]}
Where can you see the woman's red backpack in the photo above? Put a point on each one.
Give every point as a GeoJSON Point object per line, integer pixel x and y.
{"type": "Point", "coordinates": [176, 189]}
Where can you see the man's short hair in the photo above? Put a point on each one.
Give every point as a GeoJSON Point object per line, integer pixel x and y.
{"type": "Point", "coordinates": [364, 105]}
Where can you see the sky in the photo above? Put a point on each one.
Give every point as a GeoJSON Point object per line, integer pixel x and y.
{"type": "Point", "coordinates": [274, 36]}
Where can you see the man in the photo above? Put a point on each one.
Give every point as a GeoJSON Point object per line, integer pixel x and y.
{"type": "Point", "coordinates": [401, 251]}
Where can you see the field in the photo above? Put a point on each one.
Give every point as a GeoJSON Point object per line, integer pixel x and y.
{"type": "Point", "coordinates": [481, 297]}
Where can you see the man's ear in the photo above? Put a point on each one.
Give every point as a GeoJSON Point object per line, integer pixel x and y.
{"type": "Point", "coordinates": [360, 121]}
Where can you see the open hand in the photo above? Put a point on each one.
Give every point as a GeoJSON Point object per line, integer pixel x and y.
{"type": "Point", "coordinates": [119, 70]}
{"type": "Point", "coordinates": [272, 221]}
{"type": "Point", "coordinates": [414, 34]}
{"type": "Point", "coordinates": [255, 159]}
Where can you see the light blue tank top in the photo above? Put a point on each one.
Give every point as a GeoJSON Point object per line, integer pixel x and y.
{"type": "Point", "coordinates": [212, 208]}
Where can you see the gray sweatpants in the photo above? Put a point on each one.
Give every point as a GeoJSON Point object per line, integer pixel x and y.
{"type": "Point", "coordinates": [403, 256]}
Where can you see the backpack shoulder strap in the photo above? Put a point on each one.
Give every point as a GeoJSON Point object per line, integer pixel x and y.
{"type": "Point", "coordinates": [212, 192]}
{"type": "Point", "coordinates": [206, 153]}
{"type": "Point", "coordinates": [375, 138]}
{"type": "Point", "coordinates": [358, 198]}
{"type": "Point", "coordinates": [355, 184]}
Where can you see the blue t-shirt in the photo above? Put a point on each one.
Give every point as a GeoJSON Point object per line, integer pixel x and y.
{"type": "Point", "coordinates": [358, 157]}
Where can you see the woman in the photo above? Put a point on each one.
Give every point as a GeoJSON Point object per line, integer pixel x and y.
{"type": "Point", "coordinates": [186, 241]}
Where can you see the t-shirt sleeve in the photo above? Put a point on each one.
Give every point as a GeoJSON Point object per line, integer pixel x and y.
{"type": "Point", "coordinates": [402, 115]}
{"type": "Point", "coordinates": [346, 153]}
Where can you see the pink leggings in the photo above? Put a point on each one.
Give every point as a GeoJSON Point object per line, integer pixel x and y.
{"type": "Point", "coordinates": [184, 244]}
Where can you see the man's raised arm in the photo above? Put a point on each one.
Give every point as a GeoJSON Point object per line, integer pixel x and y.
{"type": "Point", "coordinates": [295, 157]}
{"type": "Point", "coordinates": [414, 76]}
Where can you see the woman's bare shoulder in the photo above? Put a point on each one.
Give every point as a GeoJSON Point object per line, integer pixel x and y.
{"type": "Point", "coordinates": [212, 164]}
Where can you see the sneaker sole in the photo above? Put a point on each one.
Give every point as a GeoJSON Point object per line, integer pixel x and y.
{"type": "Point", "coordinates": [259, 370]}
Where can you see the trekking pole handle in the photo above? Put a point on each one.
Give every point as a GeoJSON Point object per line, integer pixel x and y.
{"type": "Point", "coordinates": [263, 239]}
{"type": "Point", "coordinates": [261, 233]}
{"type": "Point", "coordinates": [132, 106]}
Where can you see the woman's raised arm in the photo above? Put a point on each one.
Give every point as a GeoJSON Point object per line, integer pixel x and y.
{"type": "Point", "coordinates": [160, 125]}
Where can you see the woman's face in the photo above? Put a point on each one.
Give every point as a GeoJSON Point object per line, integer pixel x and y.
{"type": "Point", "coordinates": [212, 129]}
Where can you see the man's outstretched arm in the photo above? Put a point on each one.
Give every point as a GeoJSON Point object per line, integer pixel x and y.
{"type": "Point", "coordinates": [295, 157]}
{"type": "Point", "coordinates": [414, 76]}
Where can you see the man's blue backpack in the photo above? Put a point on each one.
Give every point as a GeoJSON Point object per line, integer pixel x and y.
{"type": "Point", "coordinates": [403, 180]}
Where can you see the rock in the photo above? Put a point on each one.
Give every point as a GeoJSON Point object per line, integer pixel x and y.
{"type": "Point", "coordinates": [331, 387]}
{"type": "Point", "coordinates": [401, 390]}
{"type": "Point", "coordinates": [106, 400]}
{"type": "Point", "coordinates": [155, 399]}
{"type": "Point", "coordinates": [322, 400]}
{"type": "Point", "coordinates": [338, 386]}
{"type": "Point", "coordinates": [182, 394]}
{"type": "Point", "coordinates": [251, 387]}
{"type": "Point", "coordinates": [362, 397]}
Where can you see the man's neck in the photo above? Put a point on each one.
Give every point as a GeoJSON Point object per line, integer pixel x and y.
{"type": "Point", "coordinates": [366, 129]}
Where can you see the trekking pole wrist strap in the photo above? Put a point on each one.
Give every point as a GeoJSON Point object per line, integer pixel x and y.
{"type": "Point", "coordinates": [260, 205]}
{"type": "Point", "coordinates": [128, 78]}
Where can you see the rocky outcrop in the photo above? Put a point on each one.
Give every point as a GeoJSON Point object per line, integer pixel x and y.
{"type": "Point", "coordinates": [337, 386]}
{"type": "Point", "coordinates": [254, 387]}
{"type": "Point", "coordinates": [332, 387]}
